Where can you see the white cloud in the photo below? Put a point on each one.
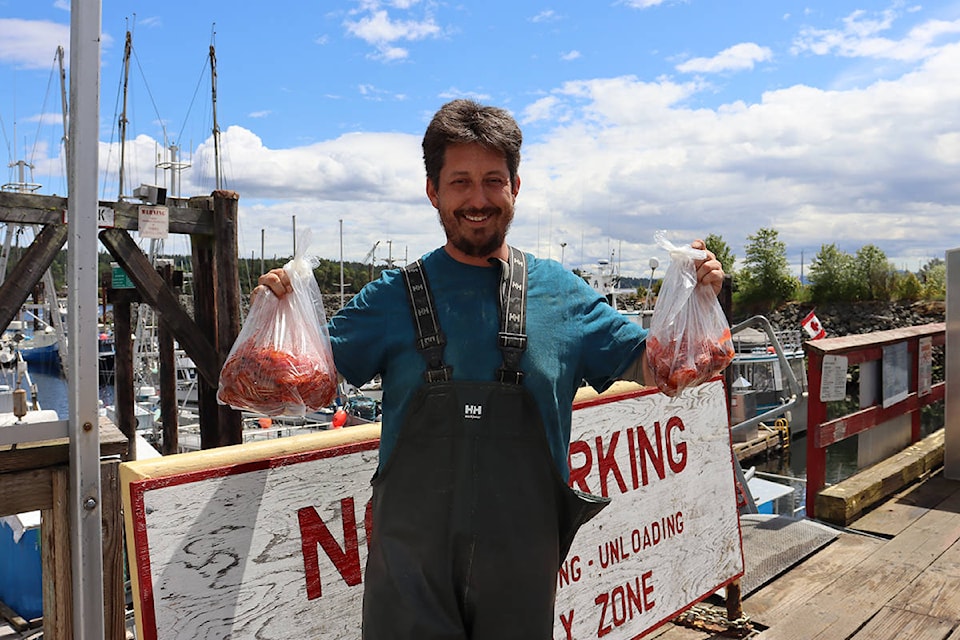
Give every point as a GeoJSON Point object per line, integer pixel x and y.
{"type": "Point", "coordinates": [861, 37]}
{"type": "Point", "coordinates": [381, 31]}
{"type": "Point", "coordinates": [570, 55]}
{"type": "Point", "coordinates": [736, 58]}
{"type": "Point", "coordinates": [547, 15]}
{"type": "Point", "coordinates": [31, 44]}
{"type": "Point", "coordinates": [643, 4]}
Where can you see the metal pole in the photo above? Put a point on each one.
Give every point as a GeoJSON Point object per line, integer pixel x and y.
{"type": "Point", "coordinates": [86, 537]}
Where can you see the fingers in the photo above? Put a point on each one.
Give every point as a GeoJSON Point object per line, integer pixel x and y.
{"type": "Point", "coordinates": [277, 280]}
{"type": "Point", "coordinates": [709, 271]}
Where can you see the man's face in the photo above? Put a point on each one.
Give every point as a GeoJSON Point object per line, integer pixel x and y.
{"type": "Point", "coordinates": [475, 200]}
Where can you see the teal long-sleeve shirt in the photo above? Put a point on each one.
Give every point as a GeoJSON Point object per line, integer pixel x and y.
{"type": "Point", "coordinates": [572, 335]}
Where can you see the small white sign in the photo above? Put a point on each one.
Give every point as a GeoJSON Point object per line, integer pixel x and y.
{"type": "Point", "coordinates": [154, 221]}
{"type": "Point", "coordinates": [833, 378]}
{"type": "Point", "coordinates": [106, 217]}
{"type": "Point", "coordinates": [924, 366]}
{"type": "Point", "coordinates": [896, 374]}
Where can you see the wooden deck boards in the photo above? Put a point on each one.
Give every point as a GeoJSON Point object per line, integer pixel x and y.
{"type": "Point", "coordinates": [902, 580]}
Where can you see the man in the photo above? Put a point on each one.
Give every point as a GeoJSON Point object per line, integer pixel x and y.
{"type": "Point", "coordinates": [480, 349]}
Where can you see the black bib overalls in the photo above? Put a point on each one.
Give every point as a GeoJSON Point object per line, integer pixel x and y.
{"type": "Point", "coordinates": [471, 518]}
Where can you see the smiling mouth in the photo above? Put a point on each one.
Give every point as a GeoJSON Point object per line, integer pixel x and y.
{"type": "Point", "coordinates": [477, 215]}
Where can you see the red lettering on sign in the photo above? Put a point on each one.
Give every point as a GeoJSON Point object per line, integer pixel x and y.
{"type": "Point", "coordinates": [608, 463]}
{"type": "Point", "coordinates": [649, 452]}
{"type": "Point", "coordinates": [657, 451]}
{"type": "Point", "coordinates": [676, 464]}
{"type": "Point", "coordinates": [313, 532]}
{"type": "Point", "coordinates": [569, 572]}
{"type": "Point", "coordinates": [567, 622]}
{"type": "Point", "coordinates": [623, 602]}
{"type": "Point", "coordinates": [675, 452]}
{"type": "Point", "coordinates": [612, 552]}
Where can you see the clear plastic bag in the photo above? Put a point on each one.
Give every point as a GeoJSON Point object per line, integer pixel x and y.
{"type": "Point", "coordinates": [282, 362]}
{"type": "Point", "coordinates": [689, 340]}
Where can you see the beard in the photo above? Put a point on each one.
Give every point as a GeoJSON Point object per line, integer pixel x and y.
{"type": "Point", "coordinates": [478, 243]}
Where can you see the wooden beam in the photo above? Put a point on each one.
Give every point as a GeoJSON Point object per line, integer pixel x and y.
{"type": "Point", "coordinates": [842, 503]}
{"type": "Point", "coordinates": [123, 395]}
{"type": "Point", "coordinates": [155, 291]}
{"type": "Point", "coordinates": [29, 208]}
{"type": "Point", "coordinates": [24, 491]}
{"type": "Point", "coordinates": [29, 269]}
{"type": "Point", "coordinates": [228, 300]}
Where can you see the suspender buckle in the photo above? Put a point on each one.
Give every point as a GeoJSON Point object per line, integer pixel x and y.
{"type": "Point", "coordinates": [509, 376]}
{"type": "Point", "coordinates": [442, 374]}
{"type": "Point", "coordinates": [516, 341]}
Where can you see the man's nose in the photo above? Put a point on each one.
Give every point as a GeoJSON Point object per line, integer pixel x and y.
{"type": "Point", "coordinates": [477, 196]}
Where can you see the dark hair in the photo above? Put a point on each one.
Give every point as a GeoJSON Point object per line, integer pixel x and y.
{"type": "Point", "coordinates": [464, 122]}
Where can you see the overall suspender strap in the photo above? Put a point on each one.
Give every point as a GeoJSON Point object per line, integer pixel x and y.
{"type": "Point", "coordinates": [430, 340]}
{"type": "Point", "coordinates": [512, 338]}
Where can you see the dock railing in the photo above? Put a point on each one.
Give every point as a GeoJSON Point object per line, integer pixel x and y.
{"type": "Point", "coordinates": [895, 377]}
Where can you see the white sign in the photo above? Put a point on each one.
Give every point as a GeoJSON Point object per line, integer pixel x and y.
{"type": "Point", "coordinates": [275, 546]}
{"type": "Point", "coordinates": [671, 535]}
{"type": "Point", "coordinates": [153, 221]}
{"type": "Point", "coordinates": [106, 217]}
{"type": "Point", "coordinates": [924, 365]}
{"type": "Point", "coordinates": [833, 378]}
{"type": "Point", "coordinates": [896, 374]}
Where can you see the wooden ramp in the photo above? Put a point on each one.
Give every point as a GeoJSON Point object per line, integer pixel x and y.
{"type": "Point", "coordinates": [893, 575]}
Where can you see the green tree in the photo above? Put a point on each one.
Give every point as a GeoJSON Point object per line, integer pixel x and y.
{"type": "Point", "coordinates": [875, 275]}
{"type": "Point", "coordinates": [765, 278]}
{"type": "Point", "coordinates": [908, 287]}
{"type": "Point", "coordinates": [831, 275]}
{"type": "Point", "coordinates": [721, 249]}
{"type": "Point", "coordinates": [934, 276]}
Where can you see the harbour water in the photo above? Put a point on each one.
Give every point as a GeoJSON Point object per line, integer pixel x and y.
{"type": "Point", "coordinates": [52, 390]}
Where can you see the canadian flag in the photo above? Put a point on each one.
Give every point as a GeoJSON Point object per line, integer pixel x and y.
{"type": "Point", "coordinates": [813, 327]}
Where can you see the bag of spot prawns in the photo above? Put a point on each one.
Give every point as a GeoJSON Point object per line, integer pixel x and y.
{"type": "Point", "coordinates": [281, 362]}
{"type": "Point", "coordinates": [689, 340]}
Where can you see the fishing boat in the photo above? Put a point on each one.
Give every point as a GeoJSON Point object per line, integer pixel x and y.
{"type": "Point", "coordinates": [769, 375]}
{"type": "Point", "coordinates": [605, 280]}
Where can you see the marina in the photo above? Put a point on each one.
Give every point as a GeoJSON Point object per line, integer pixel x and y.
{"type": "Point", "coordinates": [833, 510]}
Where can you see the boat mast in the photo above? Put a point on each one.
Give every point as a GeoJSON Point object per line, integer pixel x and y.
{"type": "Point", "coordinates": [63, 109]}
{"type": "Point", "coordinates": [127, 47]}
{"type": "Point", "coordinates": [216, 126]}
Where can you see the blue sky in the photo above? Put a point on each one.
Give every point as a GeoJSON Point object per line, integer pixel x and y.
{"type": "Point", "coordinates": [831, 121]}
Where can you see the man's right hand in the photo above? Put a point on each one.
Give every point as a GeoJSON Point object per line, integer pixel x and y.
{"type": "Point", "coordinates": [276, 280]}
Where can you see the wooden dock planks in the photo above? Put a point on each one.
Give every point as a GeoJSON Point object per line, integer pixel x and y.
{"type": "Point", "coordinates": [906, 587]}
{"type": "Point", "coordinates": [900, 581]}
{"type": "Point", "coordinates": [905, 507]}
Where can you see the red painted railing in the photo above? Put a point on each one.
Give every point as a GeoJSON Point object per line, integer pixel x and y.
{"type": "Point", "coordinates": [859, 349]}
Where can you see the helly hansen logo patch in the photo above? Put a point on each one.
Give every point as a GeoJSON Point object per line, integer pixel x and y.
{"type": "Point", "coordinates": [473, 411]}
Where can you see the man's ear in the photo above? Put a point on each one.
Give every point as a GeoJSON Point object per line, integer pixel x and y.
{"type": "Point", "coordinates": [432, 193]}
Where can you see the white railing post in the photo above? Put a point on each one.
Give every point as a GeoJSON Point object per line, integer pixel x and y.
{"type": "Point", "coordinates": [86, 536]}
{"type": "Point", "coordinates": [951, 396]}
